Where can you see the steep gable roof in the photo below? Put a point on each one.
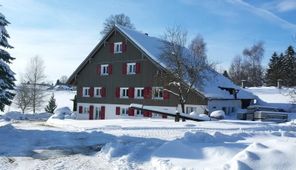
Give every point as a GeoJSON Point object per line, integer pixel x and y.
{"type": "Point", "coordinates": [152, 47]}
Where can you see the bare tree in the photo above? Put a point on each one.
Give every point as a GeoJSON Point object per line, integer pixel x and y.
{"type": "Point", "coordinates": [254, 56]}
{"type": "Point", "coordinates": [34, 75]}
{"type": "Point", "coordinates": [63, 79]}
{"type": "Point", "coordinates": [184, 66]}
{"type": "Point", "coordinates": [23, 97]}
{"type": "Point", "coordinates": [238, 70]}
{"type": "Point", "coordinates": [119, 19]}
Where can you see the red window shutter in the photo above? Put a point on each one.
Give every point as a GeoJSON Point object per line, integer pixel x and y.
{"type": "Point", "coordinates": [166, 95]}
{"type": "Point", "coordinates": [79, 91]}
{"type": "Point", "coordinates": [147, 114]}
{"type": "Point", "coordinates": [102, 115]}
{"type": "Point", "coordinates": [124, 47]}
{"type": "Point", "coordinates": [117, 92]}
{"type": "Point", "coordinates": [91, 91]}
{"type": "Point", "coordinates": [124, 67]}
{"type": "Point", "coordinates": [91, 111]}
{"type": "Point", "coordinates": [131, 92]}
{"type": "Point", "coordinates": [150, 114]}
{"type": "Point", "coordinates": [147, 93]}
{"type": "Point", "coordinates": [80, 109]}
{"type": "Point", "coordinates": [109, 69]}
{"type": "Point", "coordinates": [99, 69]}
{"type": "Point", "coordinates": [131, 112]}
{"type": "Point", "coordinates": [103, 92]}
{"type": "Point", "coordinates": [117, 110]}
{"type": "Point", "coordinates": [111, 48]}
{"type": "Point", "coordinates": [138, 68]}
{"type": "Point", "coordinates": [164, 116]}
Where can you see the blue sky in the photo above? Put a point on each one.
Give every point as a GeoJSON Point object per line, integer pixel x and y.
{"type": "Point", "coordinates": [63, 32]}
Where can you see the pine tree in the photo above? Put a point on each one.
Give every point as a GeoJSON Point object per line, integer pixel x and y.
{"type": "Point", "coordinates": [289, 67]}
{"type": "Point", "coordinates": [6, 74]}
{"type": "Point", "coordinates": [51, 105]}
{"type": "Point", "coordinates": [273, 72]}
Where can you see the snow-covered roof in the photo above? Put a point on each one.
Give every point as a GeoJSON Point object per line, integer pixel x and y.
{"type": "Point", "coordinates": [152, 46]}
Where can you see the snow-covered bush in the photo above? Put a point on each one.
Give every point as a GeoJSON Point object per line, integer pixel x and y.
{"type": "Point", "coordinates": [26, 116]}
{"type": "Point", "coordinates": [200, 116]}
{"type": "Point", "coordinates": [218, 114]}
{"type": "Point", "coordinates": [63, 113]}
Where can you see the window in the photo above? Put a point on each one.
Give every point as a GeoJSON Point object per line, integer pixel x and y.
{"type": "Point", "coordinates": [190, 109]}
{"type": "Point", "coordinates": [139, 93]}
{"type": "Point", "coordinates": [124, 92]}
{"type": "Point", "coordinates": [85, 110]}
{"type": "Point", "coordinates": [131, 68]}
{"type": "Point", "coordinates": [157, 92]}
{"type": "Point", "coordinates": [118, 47]}
{"type": "Point", "coordinates": [104, 69]}
{"type": "Point", "coordinates": [139, 112]}
{"type": "Point", "coordinates": [97, 92]}
{"type": "Point", "coordinates": [123, 111]}
{"type": "Point", "coordinates": [85, 91]}
{"type": "Point", "coordinates": [97, 112]}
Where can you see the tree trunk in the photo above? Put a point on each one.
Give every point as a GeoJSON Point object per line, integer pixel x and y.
{"type": "Point", "coordinates": [183, 110]}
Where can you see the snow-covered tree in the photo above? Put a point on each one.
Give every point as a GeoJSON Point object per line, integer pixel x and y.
{"type": "Point", "coordinates": [182, 64]}
{"type": "Point", "coordinates": [119, 19]}
{"type": "Point", "coordinates": [6, 74]}
{"type": "Point", "coordinates": [51, 104]}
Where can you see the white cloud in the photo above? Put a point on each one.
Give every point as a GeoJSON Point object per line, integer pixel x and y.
{"type": "Point", "coordinates": [286, 5]}
{"type": "Point", "coordinates": [265, 14]}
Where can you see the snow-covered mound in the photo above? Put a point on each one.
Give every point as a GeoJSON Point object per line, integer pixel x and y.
{"type": "Point", "coordinates": [25, 116]}
{"type": "Point", "coordinates": [200, 116]}
{"type": "Point", "coordinates": [62, 87]}
{"type": "Point", "coordinates": [63, 113]}
{"type": "Point", "coordinates": [218, 114]}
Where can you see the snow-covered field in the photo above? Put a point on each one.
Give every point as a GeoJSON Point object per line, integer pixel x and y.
{"type": "Point", "coordinates": [146, 144]}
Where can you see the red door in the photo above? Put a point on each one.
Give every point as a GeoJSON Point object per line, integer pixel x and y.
{"type": "Point", "coordinates": [102, 112]}
{"type": "Point", "coordinates": [91, 112]}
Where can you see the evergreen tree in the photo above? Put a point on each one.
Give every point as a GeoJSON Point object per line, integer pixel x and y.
{"type": "Point", "coordinates": [274, 71]}
{"type": "Point", "coordinates": [289, 67]}
{"type": "Point", "coordinates": [6, 74]}
{"type": "Point", "coordinates": [225, 74]}
{"type": "Point", "coordinates": [51, 105]}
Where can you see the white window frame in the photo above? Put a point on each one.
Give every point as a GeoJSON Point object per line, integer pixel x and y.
{"type": "Point", "coordinates": [97, 109]}
{"type": "Point", "coordinates": [190, 109]}
{"type": "Point", "coordinates": [141, 89]}
{"type": "Point", "coordinates": [85, 110]}
{"type": "Point", "coordinates": [123, 111]}
{"type": "Point", "coordinates": [99, 90]}
{"type": "Point", "coordinates": [85, 91]}
{"type": "Point", "coordinates": [133, 68]}
{"type": "Point", "coordinates": [139, 112]}
{"type": "Point", "coordinates": [154, 90]}
{"type": "Point", "coordinates": [104, 69]}
{"type": "Point", "coordinates": [124, 92]}
{"type": "Point", "coordinates": [117, 47]}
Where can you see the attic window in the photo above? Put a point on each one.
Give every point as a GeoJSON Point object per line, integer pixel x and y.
{"type": "Point", "coordinates": [118, 47]}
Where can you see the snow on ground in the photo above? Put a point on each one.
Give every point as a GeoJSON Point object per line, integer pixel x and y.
{"type": "Point", "coordinates": [146, 144]}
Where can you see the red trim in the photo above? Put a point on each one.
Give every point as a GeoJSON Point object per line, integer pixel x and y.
{"type": "Point", "coordinates": [91, 112]}
{"type": "Point", "coordinates": [131, 92]}
{"type": "Point", "coordinates": [91, 91]}
{"type": "Point", "coordinates": [147, 93]}
{"type": "Point", "coordinates": [138, 68]}
{"type": "Point", "coordinates": [166, 95]}
{"type": "Point", "coordinates": [117, 111]}
{"type": "Point", "coordinates": [131, 112]}
{"type": "Point", "coordinates": [111, 48]}
{"type": "Point", "coordinates": [117, 92]}
{"type": "Point", "coordinates": [99, 69]}
{"type": "Point", "coordinates": [103, 92]}
{"type": "Point", "coordinates": [102, 112]}
{"type": "Point", "coordinates": [109, 69]}
{"type": "Point", "coordinates": [124, 67]}
{"type": "Point", "coordinates": [80, 109]}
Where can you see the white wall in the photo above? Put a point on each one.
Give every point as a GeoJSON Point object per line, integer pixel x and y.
{"type": "Point", "coordinates": [228, 104]}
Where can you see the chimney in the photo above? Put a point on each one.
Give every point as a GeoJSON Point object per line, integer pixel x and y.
{"type": "Point", "coordinates": [243, 83]}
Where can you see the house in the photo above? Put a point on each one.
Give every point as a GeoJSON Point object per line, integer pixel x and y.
{"type": "Point", "coordinates": [121, 70]}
